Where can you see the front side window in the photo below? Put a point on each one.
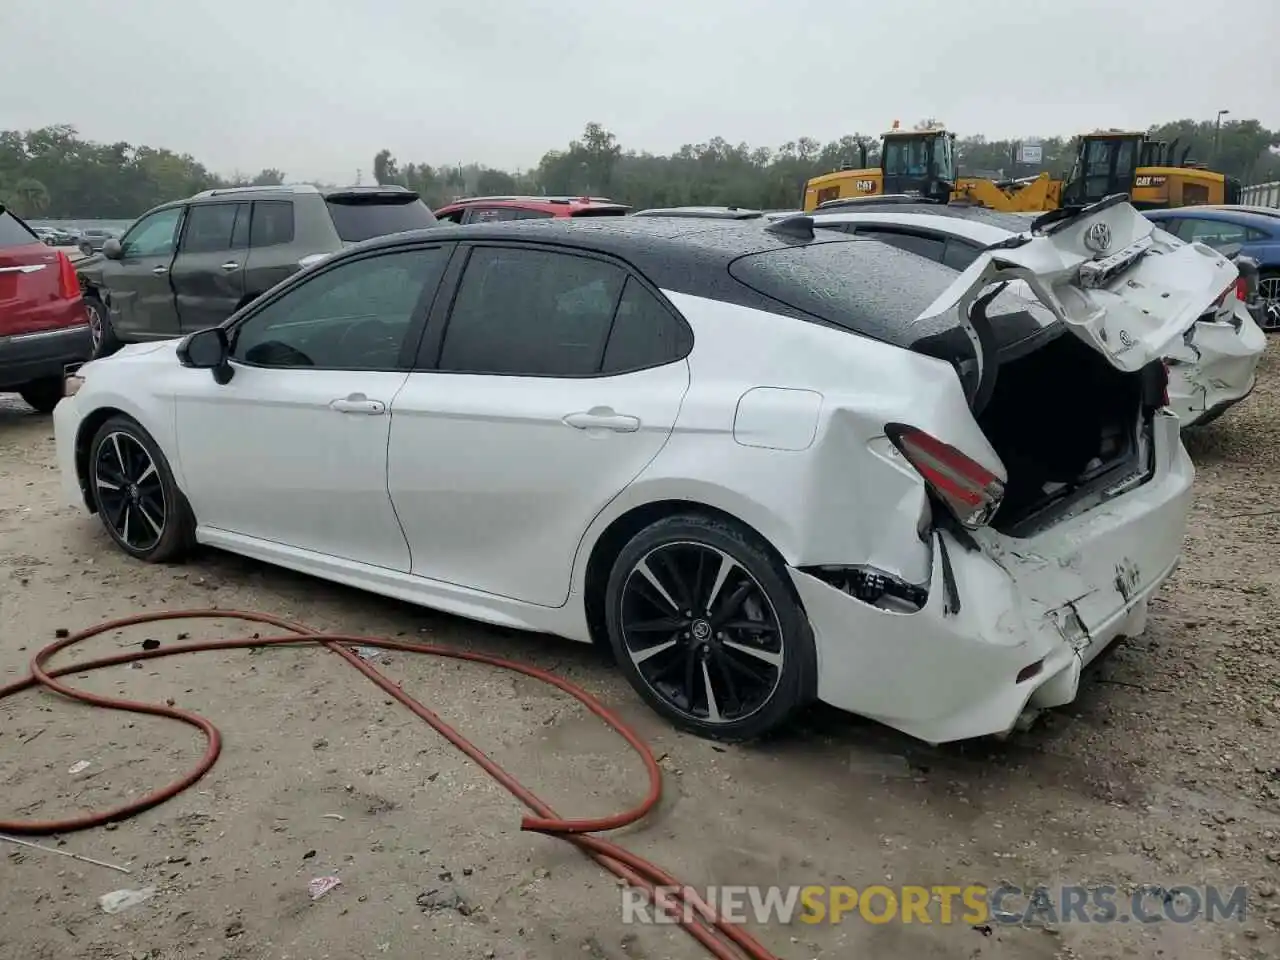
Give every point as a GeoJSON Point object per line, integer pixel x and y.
{"type": "Point", "coordinates": [531, 313]}
{"type": "Point", "coordinates": [354, 316]}
{"type": "Point", "coordinates": [153, 236]}
{"type": "Point", "coordinates": [906, 157]}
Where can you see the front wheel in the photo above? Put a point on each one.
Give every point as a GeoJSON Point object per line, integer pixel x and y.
{"type": "Point", "coordinates": [137, 499]}
{"type": "Point", "coordinates": [103, 337]}
{"type": "Point", "coordinates": [706, 627]}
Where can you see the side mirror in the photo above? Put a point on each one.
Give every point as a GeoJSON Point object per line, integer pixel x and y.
{"type": "Point", "coordinates": [112, 249]}
{"type": "Point", "coordinates": [207, 349]}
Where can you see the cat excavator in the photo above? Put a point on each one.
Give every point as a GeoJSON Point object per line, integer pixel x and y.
{"type": "Point", "coordinates": [921, 162]}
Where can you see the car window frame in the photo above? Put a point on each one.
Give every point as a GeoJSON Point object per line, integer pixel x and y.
{"type": "Point", "coordinates": [177, 233]}
{"type": "Point", "coordinates": [422, 311]}
{"type": "Point", "coordinates": [432, 343]}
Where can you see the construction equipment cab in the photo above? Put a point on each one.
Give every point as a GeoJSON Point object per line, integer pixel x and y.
{"type": "Point", "coordinates": [1149, 171]}
{"type": "Point", "coordinates": [919, 162]}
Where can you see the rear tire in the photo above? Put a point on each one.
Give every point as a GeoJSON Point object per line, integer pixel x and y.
{"type": "Point", "coordinates": [1269, 290]}
{"type": "Point", "coordinates": [43, 395]}
{"type": "Point", "coordinates": [135, 494]}
{"type": "Point", "coordinates": [706, 626]}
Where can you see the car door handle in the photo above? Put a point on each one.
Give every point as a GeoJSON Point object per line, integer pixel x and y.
{"type": "Point", "coordinates": [603, 418]}
{"type": "Point", "coordinates": [358, 403]}
{"type": "Point", "coordinates": [230, 265]}
{"type": "Point", "coordinates": [159, 270]}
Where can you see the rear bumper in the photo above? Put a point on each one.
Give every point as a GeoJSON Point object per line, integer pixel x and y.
{"type": "Point", "coordinates": [1040, 608]}
{"type": "Point", "coordinates": [26, 357]}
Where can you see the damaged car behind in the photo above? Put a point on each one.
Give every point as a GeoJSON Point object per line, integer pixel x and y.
{"type": "Point", "coordinates": [763, 464]}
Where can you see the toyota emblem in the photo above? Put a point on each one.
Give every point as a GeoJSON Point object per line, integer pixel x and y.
{"type": "Point", "coordinates": [1098, 238]}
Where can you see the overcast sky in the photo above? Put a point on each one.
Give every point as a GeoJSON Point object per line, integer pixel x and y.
{"type": "Point", "coordinates": [317, 87]}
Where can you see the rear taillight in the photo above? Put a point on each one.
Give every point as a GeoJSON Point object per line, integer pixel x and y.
{"type": "Point", "coordinates": [1242, 289]}
{"type": "Point", "coordinates": [68, 282]}
{"type": "Point", "coordinates": [969, 490]}
{"type": "Point", "coordinates": [1164, 386]}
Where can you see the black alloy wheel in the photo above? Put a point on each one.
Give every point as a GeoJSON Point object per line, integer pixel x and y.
{"type": "Point", "coordinates": [707, 628]}
{"type": "Point", "coordinates": [134, 491]}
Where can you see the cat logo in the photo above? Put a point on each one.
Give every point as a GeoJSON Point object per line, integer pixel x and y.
{"type": "Point", "coordinates": [1149, 181]}
{"type": "Point", "coordinates": [864, 186]}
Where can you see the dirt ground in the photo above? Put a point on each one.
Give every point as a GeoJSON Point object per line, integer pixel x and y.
{"type": "Point", "coordinates": [1166, 771]}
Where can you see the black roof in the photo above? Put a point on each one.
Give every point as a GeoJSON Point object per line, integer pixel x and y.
{"type": "Point", "coordinates": [838, 279]}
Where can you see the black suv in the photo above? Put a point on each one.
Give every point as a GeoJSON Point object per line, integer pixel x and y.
{"type": "Point", "coordinates": [191, 263]}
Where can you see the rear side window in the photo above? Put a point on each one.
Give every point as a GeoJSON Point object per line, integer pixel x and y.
{"type": "Point", "coordinates": [644, 334]}
{"type": "Point", "coordinates": [531, 313]}
{"type": "Point", "coordinates": [272, 223]}
{"type": "Point", "coordinates": [15, 233]}
{"type": "Point", "coordinates": [210, 227]}
{"type": "Point", "coordinates": [358, 217]}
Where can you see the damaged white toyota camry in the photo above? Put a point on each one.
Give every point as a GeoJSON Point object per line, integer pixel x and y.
{"type": "Point", "coordinates": [763, 465]}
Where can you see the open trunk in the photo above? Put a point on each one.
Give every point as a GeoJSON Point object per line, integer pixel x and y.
{"type": "Point", "coordinates": [1071, 430]}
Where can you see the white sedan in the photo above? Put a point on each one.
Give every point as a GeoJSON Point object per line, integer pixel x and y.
{"type": "Point", "coordinates": [1212, 363]}
{"type": "Point", "coordinates": [764, 464]}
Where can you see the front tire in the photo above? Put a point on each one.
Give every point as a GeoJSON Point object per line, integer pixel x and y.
{"type": "Point", "coordinates": [135, 493]}
{"type": "Point", "coordinates": [707, 628]}
{"type": "Point", "coordinates": [103, 337]}
{"type": "Point", "coordinates": [43, 395]}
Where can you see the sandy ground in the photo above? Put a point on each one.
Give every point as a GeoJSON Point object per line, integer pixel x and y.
{"type": "Point", "coordinates": [1166, 771]}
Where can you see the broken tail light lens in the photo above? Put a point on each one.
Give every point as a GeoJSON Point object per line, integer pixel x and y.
{"type": "Point", "coordinates": [68, 282]}
{"type": "Point", "coordinates": [967, 488]}
{"type": "Point", "coordinates": [1242, 289]}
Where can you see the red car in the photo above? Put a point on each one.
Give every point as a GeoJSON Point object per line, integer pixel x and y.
{"type": "Point", "coordinates": [43, 324]}
{"type": "Point", "coordinates": [489, 209]}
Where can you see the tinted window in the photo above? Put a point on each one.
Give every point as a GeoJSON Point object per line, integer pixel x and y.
{"type": "Point", "coordinates": [930, 247]}
{"type": "Point", "coordinates": [453, 216]}
{"type": "Point", "coordinates": [13, 232]}
{"type": "Point", "coordinates": [958, 255]}
{"type": "Point", "coordinates": [359, 218]}
{"type": "Point", "coordinates": [1215, 233]}
{"type": "Point", "coordinates": [153, 236]}
{"type": "Point", "coordinates": [209, 227]}
{"type": "Point", "coordinates": [1256, 235]}
{"type": "Point", "coordinates": [493, 214]}
{"type": "Point", "coordinates": [532, 313]}
{"type": "Point", "coordinates": [644, 333]}
{"type": "Point", "coordinates": [352, 317]}
{"type": "Point", "coordinates": [272, 223]}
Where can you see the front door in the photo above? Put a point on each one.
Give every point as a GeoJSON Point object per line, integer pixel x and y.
{"type": "Point", "coordinates": [559, 378]}
{"type": "Point", "coordinates": [141, 300]}
{"type": "Point", "coordinates": [208, 273]}
{"type": "Point", "coordinates": [294, 448]}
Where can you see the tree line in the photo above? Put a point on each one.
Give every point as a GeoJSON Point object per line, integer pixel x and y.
{"type": "Point", "coordinates": [53, 172]}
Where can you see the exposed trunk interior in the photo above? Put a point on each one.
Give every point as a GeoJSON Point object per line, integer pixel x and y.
{"type": "Point", "coordinates": [1069, 427]}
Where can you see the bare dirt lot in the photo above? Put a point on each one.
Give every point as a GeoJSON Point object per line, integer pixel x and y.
{"type": "Point", "coordinates": [1166, 771]}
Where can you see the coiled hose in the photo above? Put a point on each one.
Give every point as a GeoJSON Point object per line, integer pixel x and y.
{"type": "Point", "coordinates": [722, 939]}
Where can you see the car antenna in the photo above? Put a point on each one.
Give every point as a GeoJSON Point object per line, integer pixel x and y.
{"type": "Point", "coordinates": [800, 227]}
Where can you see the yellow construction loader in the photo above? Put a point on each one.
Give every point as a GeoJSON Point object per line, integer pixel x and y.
{"type": "Point", "coordinates": [922, 162]}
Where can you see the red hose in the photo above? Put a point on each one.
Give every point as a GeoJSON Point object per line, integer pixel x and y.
{"type": "Point", "coordinates": [722, 939]}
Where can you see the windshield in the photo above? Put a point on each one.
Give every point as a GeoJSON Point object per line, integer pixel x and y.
{"type": "Point", "coordinates": [13, 232]}
{"type": "Point", "coordinates": [906, 157]}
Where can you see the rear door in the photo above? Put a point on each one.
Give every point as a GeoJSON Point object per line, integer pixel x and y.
{"type": "Point", "coordinates": [140, 294]}
{"type": "Point", "coordinates": [208, 273]}
{"type": "Point", "coordinates": [1107, 275]}
{"type": "Point", "coordinates": [557, 379]}
{"type": "Point", "coordinates": [29, 279]}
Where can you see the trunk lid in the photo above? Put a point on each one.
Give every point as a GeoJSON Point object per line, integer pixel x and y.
{"type": "Point", "coordinates": [29, 277]}
{"type": "Point", "coordinates": [1124, 287]}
